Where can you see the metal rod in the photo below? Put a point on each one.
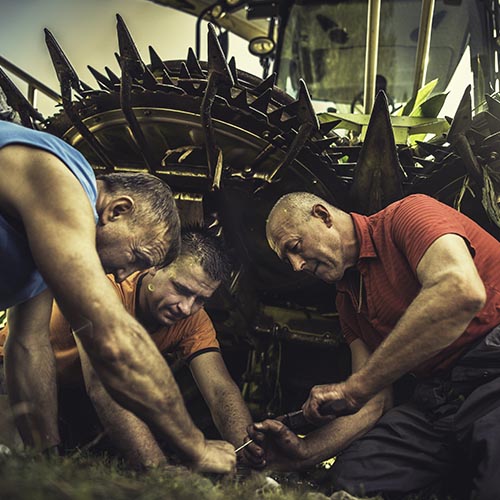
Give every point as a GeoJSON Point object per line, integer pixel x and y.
{"type": "Point", "coordinates": [243, 446]}
{"type": "Point", "coordinates": [371, 57]}
{"type": "Point", "coordinates": [33, 82]}
{"type": "Point", "coordinates": [423, 44]}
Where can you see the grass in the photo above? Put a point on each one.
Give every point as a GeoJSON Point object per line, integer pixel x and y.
{"type": "Point", "coordinates": [24, 476]}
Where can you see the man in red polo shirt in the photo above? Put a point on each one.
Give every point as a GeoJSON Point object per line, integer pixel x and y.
{"type": "Point", "coordinates": [418, 292]}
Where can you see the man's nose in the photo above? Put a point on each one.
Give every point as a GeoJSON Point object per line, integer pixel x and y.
{"type": "Point", "coordinates": [297, 262]}
{"type": "Point", "coordinates": [186, 305]}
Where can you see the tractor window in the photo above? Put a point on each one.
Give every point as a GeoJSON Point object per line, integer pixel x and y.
{"type": "Point", "coordinates": [324, 43]}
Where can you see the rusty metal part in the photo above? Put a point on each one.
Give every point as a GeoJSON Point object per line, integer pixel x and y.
{"type": "Point", "coordinates": [219, 74]}
{"type": "Point", "coordinates": [27, 113]}
{"type": "Point", "coordinates": [69, 81]}
{"type": "Point", "coordinates": [133, 68]}
{"type": "Point", "coordinates": [309, 125]}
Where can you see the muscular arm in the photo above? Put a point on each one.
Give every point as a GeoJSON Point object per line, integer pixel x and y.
{"type": "Point", "coordinates": [452, 293]}
{"type": "Point", "coordinates": [285, 451]}
{"type": "Point", "coordinates": [58, 219]}
{"type": "Point", "coordinates": [30, 372]}
{"type": "Point", "coordinates": [229, 411]}
{"type": "Point", "coordinates": [129, 434]}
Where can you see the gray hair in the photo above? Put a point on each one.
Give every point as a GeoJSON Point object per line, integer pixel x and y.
{"type": "Point", "coordinates": [155, 204]}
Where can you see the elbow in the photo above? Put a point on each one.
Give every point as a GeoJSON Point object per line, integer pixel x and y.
{"type": "Point", "coordinates": [470, 297]}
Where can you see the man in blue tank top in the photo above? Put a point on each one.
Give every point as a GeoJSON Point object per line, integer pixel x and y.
{"type": "Point", "coordinates": [60, 231]}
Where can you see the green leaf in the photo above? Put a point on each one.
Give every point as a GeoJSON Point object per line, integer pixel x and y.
{"type": "Point", "coordinates": [417, 100]}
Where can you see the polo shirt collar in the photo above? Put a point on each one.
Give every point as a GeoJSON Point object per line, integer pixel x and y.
{"type": "Point", "coordinates": [362, 227]}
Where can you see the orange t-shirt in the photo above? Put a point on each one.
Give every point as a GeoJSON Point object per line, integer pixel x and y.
{"type": "Point", "coordinates": [187, 338]}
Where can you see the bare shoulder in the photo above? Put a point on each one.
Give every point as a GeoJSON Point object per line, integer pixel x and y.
{"type": "Point", "coordinates": [31, 177]}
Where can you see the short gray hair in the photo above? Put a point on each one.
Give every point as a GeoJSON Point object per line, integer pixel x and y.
{"type": "Point", "coordinates": [155, 204]}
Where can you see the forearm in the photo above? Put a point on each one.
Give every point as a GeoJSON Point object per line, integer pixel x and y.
{"type": "Point", "coordinates": [129, 434]}
{"type": "Point", "coordinates": [327, 441]}
{"type": "Point", "coordinates": [31, 384]}
{"type": "Point", "coordinates": [429, 325]}
{"type": "Point", "coordinates": [134, 367]}
{"type": "Point", "coordinates": [231, 415]}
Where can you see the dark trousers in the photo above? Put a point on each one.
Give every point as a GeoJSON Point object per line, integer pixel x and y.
{"type": "Point", "coordinates": [448, 433]}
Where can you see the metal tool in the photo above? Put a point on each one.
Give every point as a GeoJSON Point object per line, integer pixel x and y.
{"type": "Point", "coordinates": [296, 420]}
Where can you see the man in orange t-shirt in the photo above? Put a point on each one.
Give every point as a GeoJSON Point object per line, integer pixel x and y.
{"type": "Point", "coordinates": [169, 303]}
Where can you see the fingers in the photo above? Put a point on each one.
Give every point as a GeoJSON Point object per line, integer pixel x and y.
{"type": "Point", "coordinates": [252, 455]}
{"type": "Point", "coordinates": [313, 408]}
{"type": "Point", "coordinates": [259, 430]}
{"type": "Point", "coordinates": [219, 457]}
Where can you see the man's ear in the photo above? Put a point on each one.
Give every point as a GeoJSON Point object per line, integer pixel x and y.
{"type": "Point", "coordinates": [321, 212]}
{"type": "Point", "coordinates": [116, 208]}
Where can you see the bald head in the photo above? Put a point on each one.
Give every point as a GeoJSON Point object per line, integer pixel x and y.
{"type": "Point", "coordinates": [295, 208]}
{"type": "Point", "coordinates": [312, 236]}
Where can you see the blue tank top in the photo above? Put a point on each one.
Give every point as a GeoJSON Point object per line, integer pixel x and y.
{"type": "Point", "coordinates": [19, 278]}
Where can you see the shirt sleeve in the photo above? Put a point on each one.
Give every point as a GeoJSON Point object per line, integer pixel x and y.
{"type": "Point", "coordinates": [198, 336]}
{"type": "Point", "coordinates": [419, 221]}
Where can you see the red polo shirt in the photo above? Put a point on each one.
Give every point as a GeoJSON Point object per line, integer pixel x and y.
{"type": "Point", "coordinates": [392, 242]}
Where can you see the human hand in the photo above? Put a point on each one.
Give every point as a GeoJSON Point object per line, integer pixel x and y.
{"type": "Point", "coordinates": [251, 455]}
{"type": "Point", "coordinates": [328, 401]}
{"type": "Point", "coordinates": [283, 448]}
{"type": "Point", "coordinates": [218, 457]}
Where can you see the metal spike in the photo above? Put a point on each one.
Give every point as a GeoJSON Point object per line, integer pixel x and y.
{"type": "Point", "coordinates": [103, 81]}
{"type": "Point", "coordinates": [308, 126]}
{"type": "Point", "coordinates": [158, 65]}
{"type": "Point", "coordinates": [85, 87]}
{"type": "Point", "coordinates": [241, 100]}
{"type": "Point", "coordinates": [268, 83]}
{"type": "Point", "coordinates": [305, 111]}
{"type": "Point", "coordinates": [132, 67]}
{"type": "Point", "coordinates": [65, 72]}
{"type": "Point", "coordinates": [115, 79]}
{"type": "Point", "coordinates": [234, 70]}
{"type": "Point", "coordinates": [378, 173]}
{"type": "Point", "coordinates": [217, 59]}
{"type": "Point", "coordinates": [16, 99]}
{"type": "Point", "coordinates": [130, 58]}
{"type": "Point", "coordinates": [326, 127]}
{"type": "Point", "coordinates": [69, 80]}
{"type": "Point", "coordinates": [262, 102]}
{"type": "Point", "coordinates": [463, 117]}
{"type": "Point", "coordinates": [218, 75]}
{"type": "Point", "coordinates": [155, 59]}
{"type": "Point", "coordinates": [184, 72]}
{"type": "Point", "coordinates": [193, 65]}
